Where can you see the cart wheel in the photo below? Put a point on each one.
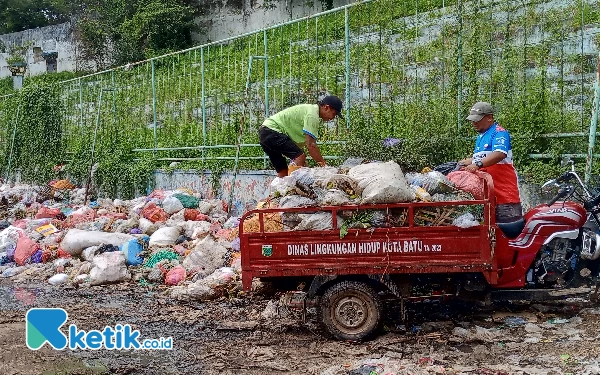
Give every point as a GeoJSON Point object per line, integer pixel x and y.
{"type": "Point", "coordinates": [350, 310]}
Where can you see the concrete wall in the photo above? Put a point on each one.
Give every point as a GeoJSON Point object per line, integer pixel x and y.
{"type": "Point", "coordinates": [226, 18]}
{"type": "Point", "coordinates": [220, 19]}
{"type": "Point", "coordinates": [57, 38]}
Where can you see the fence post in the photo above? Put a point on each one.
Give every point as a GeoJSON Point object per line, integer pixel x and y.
{"type": "Point", "coordinates": [266, 61]}
{"type": "Point", "coordinates": [347, 45]}
{"type": "Point", "coordinates": [593, 126]}
{"type": "Point", "coordinates": [154, 106]}
{"type": "Point", "coordinates": [203, 103]}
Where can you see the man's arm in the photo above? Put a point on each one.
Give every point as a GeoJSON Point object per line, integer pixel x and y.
{"type": "Point", "coordinates": [491, 159]}
{"type": "Point", "coordinates": [466, 161]}
{"type": "Point", "coordinates": [313, 150]}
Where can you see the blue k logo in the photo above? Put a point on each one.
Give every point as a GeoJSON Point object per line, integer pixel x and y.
{"type": "Point", "coordinates": [43, 325]}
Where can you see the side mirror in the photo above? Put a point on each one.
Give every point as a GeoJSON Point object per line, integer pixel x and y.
{"type": "Point", "coordinates": [548, 186]}
{"type": "Point", "coordinates": [566, 160]}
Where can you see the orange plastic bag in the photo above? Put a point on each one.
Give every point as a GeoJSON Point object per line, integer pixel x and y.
{"type": "Point", "coordinates": [154, 213]}
{"type": "Point", "coordinates": [47, 213]}
{"type": "Point", "coordinates": [194, 215]}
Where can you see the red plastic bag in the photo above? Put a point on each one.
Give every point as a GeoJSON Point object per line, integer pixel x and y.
{"type": "Point", "coordinates": [25, 249]}
{"type": "Point", "coordinates": [154, 213]}
{"type": "Point", "coordinates": [175, 276]}
{"type": "Point", "coordinates": [467, 181]}
{"type": "Point", "coordinates": [192, 214]}
{"type": "Point", "coordinates": [62, 254]}
{"type": "Point", "coordinates": [47, 213]}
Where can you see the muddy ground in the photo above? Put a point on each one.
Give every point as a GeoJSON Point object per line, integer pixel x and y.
{"type": "Point", "coordinates": [229, 336]}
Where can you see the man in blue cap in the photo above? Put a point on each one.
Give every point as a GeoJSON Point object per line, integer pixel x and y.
{"type": "Point", "coordinates": [283, 134]}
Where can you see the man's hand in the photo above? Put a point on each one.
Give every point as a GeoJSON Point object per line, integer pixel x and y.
{"type": "Point", "coordinates": [322, 163]}
{"type": "Point", "coordinates": [465, 162]}
{"type": "Point", "coordinates": [471, 168]}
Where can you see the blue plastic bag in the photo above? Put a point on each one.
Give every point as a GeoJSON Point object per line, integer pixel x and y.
{"type": "Point", "coordinates": [132, 250]}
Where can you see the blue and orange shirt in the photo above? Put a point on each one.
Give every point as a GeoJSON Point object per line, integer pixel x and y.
{"type": "Point", "coordinates": [506, 187]}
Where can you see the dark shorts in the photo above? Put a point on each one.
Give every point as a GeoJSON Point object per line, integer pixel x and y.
{"type": "Point", "coordinates": [277, 145]}
{"type": "Point", "coordinates": [509, 212]}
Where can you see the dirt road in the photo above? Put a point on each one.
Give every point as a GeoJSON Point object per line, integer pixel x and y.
{"type": "Point", "coordinates": [229, 336]}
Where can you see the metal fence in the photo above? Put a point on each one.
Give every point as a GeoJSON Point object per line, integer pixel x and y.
{"type": "Point", "coordinates": [403, 68]}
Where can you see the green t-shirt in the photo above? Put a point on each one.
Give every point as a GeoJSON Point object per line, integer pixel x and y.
{"type": "Point", "coordinates": [296, 121]}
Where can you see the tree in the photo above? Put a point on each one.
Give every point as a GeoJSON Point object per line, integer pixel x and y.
{"type": "Point", "coordinates": [19, 15]}
{"type": "Point", "coordinates": [157, 27]}
{"type": "Point", "coordinates": [129, 31]}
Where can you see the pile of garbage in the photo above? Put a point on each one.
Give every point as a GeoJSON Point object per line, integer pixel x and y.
{"type": "Point", "coordinates": [178, 239]}
{"type": "Point", "coordinates": [369, 183]}
{"type": "Point", "coordinates": [171, 238]}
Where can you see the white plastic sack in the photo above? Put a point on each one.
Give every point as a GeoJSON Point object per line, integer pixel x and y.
{"type": "Point", "coordinates": [206, 257]}
{"type": "Point", "coordinates": [465, 221]}
{"type": "Point", "coordinates": [283, 184]}
{"type": "Point", "coordinates": [290, 201]}
{"type": "Point", "coordinates": [382, 183]}
{"type": "Point", "coordinates": [303, 176]}
{"type": "Point", "coordinates": [208, 288]}
{"type": "Point", "coordinates": [219, 277]}
{"type": "Point", "coordinates": [166, 236]}
{"type": "Point", "coordinates": [9, 237]}
{"type": "Point", "coordinates": [317, 221]}
{"type": "Point", "coordinates": [201, 230]}
{"type": "Point", "coordinates": [76, 240]}
{"type": "Point", "coordinates": [109, 268]}
{"type": "Point", "coordinates": [335, 197]}
{"type": "Point", "coordinates": [204, 207]}
{"type": "Point", "coordinates": [176, 219]}
{"type": "Point", "coordinates": [189, 228]}
{"type": "Point", "coordinates": [172, 205]}
{"type": "Point", "coordinates": [58, 279]}
{"type": "Point", "coordinates": [194, 291]}
{"type": "Point", "coordinates": [322, 174]}
{"type": "Point", "coordinates": [82, 210]}
{"type": "Point", "coordinates": [147, 227]}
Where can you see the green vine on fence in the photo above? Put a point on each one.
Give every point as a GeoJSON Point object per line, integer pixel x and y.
{"type": "Point", "coordinates": [38, 133]}
{"type": "Point", "coordinates": [414, 71]}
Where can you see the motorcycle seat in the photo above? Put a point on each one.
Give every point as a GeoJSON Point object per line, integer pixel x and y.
{"type": "Point", "coordinates": [513, 229]}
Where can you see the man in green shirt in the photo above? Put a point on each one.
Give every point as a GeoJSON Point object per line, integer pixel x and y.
{"type": "Point", "coordinates": [283, 134]}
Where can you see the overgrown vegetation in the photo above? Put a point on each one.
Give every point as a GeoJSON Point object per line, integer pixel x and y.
{"type": "Point", "coordinates": [113, 32]}
{"type": "Point", "coordinates": [413, 83]}
{"type": "Point", "coordinates": [35, 141]}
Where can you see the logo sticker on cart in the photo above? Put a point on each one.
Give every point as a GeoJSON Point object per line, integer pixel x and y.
{"type": "Point", "coordinates": [267, 250]}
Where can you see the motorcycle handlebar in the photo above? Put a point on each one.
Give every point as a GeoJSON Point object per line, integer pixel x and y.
{"type": "Point", "coordinates": [563, 192]}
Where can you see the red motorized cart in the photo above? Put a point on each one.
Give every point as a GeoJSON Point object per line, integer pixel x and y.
{"type": "Point", "coordinates": [346, 273]}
